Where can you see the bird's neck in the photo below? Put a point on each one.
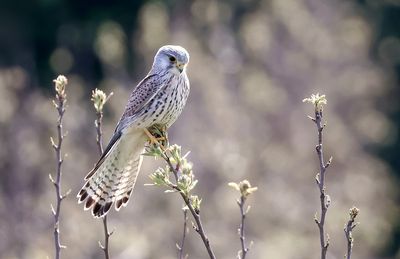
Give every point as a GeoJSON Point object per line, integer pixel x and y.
{"type": "Point", "coordinates": [156, 70]}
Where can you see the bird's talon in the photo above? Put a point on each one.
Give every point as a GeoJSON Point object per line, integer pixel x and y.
{"type": "Point", "coordinates": [153, 140]}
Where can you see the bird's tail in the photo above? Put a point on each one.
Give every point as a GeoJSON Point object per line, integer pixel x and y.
{"type": "Point", "coordinates": [114, 176]}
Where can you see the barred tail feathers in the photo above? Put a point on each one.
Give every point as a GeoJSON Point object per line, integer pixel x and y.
{"type": "Point", "coordinates": [114, 177]}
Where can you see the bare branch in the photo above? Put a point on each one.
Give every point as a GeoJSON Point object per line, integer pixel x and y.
{"type": "Point", "coordinates": [321, 185]}
{"type": "Point", "coordinates": [99, 98]}
{"type": "Point", "coordinates": [59, 104]}
{"type": "Point", "coordinates": [318, 101]}
{"type": "Point", "coordinates": [245, 189]}
{"type": "Point", "coordinates": [181, 245]}
{"type": "Point", "coordinates": [241, 229]}
{"type": "Point", "coordinates": [348, 228]}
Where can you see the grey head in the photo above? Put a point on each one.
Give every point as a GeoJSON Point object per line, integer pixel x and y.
{"type": "Point", "coordinates": [171, 58]}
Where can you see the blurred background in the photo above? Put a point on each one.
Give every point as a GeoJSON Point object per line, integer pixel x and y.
{"type": "Point", "coordinates": [252, 63]}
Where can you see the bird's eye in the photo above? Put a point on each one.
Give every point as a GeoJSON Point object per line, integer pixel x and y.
{"type": "Point", "coordinates": [172, 59]}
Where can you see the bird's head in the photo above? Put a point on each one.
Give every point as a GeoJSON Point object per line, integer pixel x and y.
{"type": "Point", "coordinates": [171, 58]}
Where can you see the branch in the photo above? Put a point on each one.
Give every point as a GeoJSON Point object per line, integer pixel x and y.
{"type": "Point", "coordinates": [245, 189]}
{"type": "Point", "coordinates": [194, 211]}
{"type": "Point", "coordinates": [180, 247]}
{"type": "Point", "coordinates": [324, 198]}
{"type": "Point", "coordinates": [318, 101]}
{"type": "Point", "coordinates": [59, 103]}
{"type": "Point", "coordinates": [184, 183]}
{"type": "Point", "coordinates": [241, 229]}
{"type": "Point", "coordinates": [348, 228]}
{"type": "Point", "coordinates": [99, 98]}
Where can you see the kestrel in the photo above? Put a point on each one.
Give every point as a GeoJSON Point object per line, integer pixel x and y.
{"type": "Point", "coordinates": [157, 100]}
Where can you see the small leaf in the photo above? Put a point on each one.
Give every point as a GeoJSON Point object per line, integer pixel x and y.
{"type": "Point", "coordinates": [52, 209]}
{"type": "Point", "coordinates": [53, 144]}
{"type": "Point", "coordinates": [51, 179]}
{"type": "Point", "coordinates": [195, 201]}
{"type": "Point", "coordinates": [234, 185]}
{"type": "Point", "coordinates": [248, 209]}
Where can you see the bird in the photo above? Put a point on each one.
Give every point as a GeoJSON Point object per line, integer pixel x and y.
{"type": "Point", "coordinates": [157, 100]}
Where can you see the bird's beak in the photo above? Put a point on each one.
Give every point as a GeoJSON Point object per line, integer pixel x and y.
{"type": "Point", "coordinates": [180, 66]}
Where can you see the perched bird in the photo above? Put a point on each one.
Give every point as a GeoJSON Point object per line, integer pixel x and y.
{"type": "Point", "coordinates": [157, 100]}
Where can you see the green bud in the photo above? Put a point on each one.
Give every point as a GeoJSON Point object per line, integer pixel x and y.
{"type": "Point", "coordinates": [195, 201]}
{"type": "Point", "coordinates": [176, 152]}
{"type": "Point", "coordinates": [99, 98]}
{"type": "Point", "coordinates": [317, 100]}
{"type": "Point", "coordinates": [153, 150]}
{"type": "Point", "coordinates": [160, 177]}
{"type": "Point", "coordinates": [59, 84]}
{"type": "Point", "coordinates": [353, 213]}
{"type": "Point", "coordinates": [244, 187]}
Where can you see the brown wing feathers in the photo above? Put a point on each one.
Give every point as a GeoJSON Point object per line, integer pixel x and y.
{"type": "Point", "coordinates": [112, 180]}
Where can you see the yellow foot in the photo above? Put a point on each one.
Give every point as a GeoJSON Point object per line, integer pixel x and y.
{"type": "Point", "coordinates": [153, 140]}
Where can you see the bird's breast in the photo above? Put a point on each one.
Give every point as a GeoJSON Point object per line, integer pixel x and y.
{"type": "Point", "coordinates": [168, 104]}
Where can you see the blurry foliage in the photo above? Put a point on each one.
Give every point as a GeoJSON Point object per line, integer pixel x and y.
{"type": "Point", "coordinates": [43, 35]}
{"type": "Point", "coordinates": [252, 62]}
{"type": "Point", "coordinates": [386, 52]}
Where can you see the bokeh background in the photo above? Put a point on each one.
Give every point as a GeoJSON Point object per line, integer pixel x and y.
{"type": "Point", "coordinates": [252, 63]}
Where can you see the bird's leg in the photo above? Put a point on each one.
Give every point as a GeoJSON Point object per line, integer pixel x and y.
{"type": "Point", "coordinates": [153, 140]}
{"type": "Point", "coordinates": [160, 133]}
{"type": "Point", "coordinates": [164, 135]}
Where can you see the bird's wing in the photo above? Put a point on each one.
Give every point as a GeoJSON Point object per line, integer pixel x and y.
{"type": "Point", "coordinates": [145, 91]}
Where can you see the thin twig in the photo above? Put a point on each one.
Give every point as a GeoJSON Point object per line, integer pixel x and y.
{"type": "Point", "coordinates": [320, 180]}
{"type": "Point", "coordinates": [245, 189]}
{"type": "Point", "coordinates": [348, 231]}
{"type": "Point", "coordinates": [195, 212]}
{"type": "Point", "coordinates": [181, 245]}
{"type": "Point", "coordinates": [99, 140]}
{"type": "Point", "coordinates": [245, 249]}
{"type": "Point", "coordinates": [59, 104]}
